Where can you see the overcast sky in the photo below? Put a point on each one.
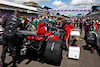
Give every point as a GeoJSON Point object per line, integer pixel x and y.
{"type": "Point", "coordinates": [64, 4]}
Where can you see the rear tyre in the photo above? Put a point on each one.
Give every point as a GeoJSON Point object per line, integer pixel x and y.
{"type": "Point", "coordinates": [53, 51]}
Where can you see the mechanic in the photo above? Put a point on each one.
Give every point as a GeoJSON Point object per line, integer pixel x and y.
{"type": "Point", "coordinates": [60, 26]}
{"type": "Point", "coordinates": [24, 23]}
{"type": "Point", "coordinates": [87, 26]}
{"type": "Point", "coordinates": [80, 25]}
{"type": "Point", "coordinates": [1, 18]}
{"type": "Point", "coordinates": [35, 23]}
{"type": "Point", "coordinates": [45, 20]}
{"type": "Point", "coordinates": [10, 24]}
{"type": "Point", "coordinates": [96, 23]}
{"type": "Point", "coordinates": [50, 20]}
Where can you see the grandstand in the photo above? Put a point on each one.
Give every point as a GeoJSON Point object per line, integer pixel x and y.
{"type": "Point", "coordinates": [95, 13]}
{"type": "Point", "coordinates": [41, 9]}
{"type": "Point", "coordinates": [7, 8]}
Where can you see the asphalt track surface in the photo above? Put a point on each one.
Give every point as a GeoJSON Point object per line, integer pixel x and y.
{"type": "Point", "coordinates": [87, 59]}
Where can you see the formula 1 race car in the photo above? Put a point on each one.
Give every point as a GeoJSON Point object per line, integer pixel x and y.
{"type": "Point", "coordinates": [48, 43]}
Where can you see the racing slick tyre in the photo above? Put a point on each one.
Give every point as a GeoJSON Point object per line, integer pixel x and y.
{"type": "Point", "coordinates": [53, 51]}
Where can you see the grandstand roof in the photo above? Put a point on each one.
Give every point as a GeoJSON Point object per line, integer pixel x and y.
{"type": "Point", "coordinates": [97, 4]}
{"type": "Point", "coordinates": [31, 2]}
{"type": "Point", "coordinates": [14, 5]}
{"type": "Point", "coordinates": [47, 7]}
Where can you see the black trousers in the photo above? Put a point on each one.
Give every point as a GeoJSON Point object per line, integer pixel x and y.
{"type": "Point", "coordinates": [86, 30]}
{"type": "Point", "coordinates": [11, 44]}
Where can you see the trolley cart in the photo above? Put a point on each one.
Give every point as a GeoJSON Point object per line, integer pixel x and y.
{"type": "Point", "coordinates": [73, 51]}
